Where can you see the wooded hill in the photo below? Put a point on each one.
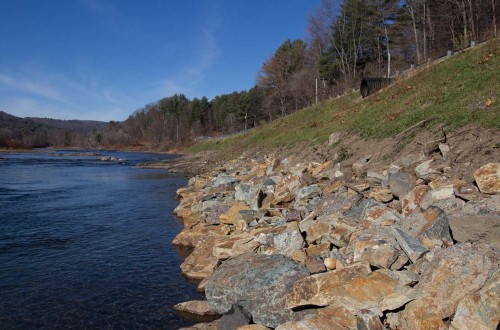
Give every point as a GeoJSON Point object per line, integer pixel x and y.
{"type": "Point", "coordinates": [18, 132]}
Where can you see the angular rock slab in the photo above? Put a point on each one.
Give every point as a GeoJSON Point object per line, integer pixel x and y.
{"type": "Point", "coordinates": [480, 310]}
{"type": "Point", "coordinates": [400, 183]}
{"type": "Point", "coordinates": [201, 262]}
{"type": "Point", "coordinates": [321, 289]}
{"type": "Point", "coordinates": [258, 283]}
{"type": "Point", "coordinates": [377, 246]}
{"type": "Point", "coordinates": [325, 319]}
{"type": "Point", "coordinates": [452, 274]}
{"type": "Point", "coordinates": [196, 310]}
{"type": "Point", "coordinates": [411, 246]}
{"type": "Point", "coordinates": [488, 178]}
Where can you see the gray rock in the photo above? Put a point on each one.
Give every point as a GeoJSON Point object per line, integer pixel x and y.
{"type": "Point", "coordinates": [234, 318]}
{"type": "Point", "coordinates": [268, 186]}
{"type": "Point", "coordinates": [411, 246]}
{"type": "Point", "coordinates": [376, 245]}
{"type": "Point", "coordinates": [335, 138]}
{"type": "Point", "coordinates": [288, 242]}
{"type": "Point", "coordinates": [375, 177]}
{"type": "Point", "coordinates": [225, 179]}
{"type": "Point", "coordinates": [476, 229]}
{"type": "Point", "coordinates": [430, 227]}
{"type": "Point", "coordinates": [400, 183]}
{"type": "Point", "coordinates": [424, 169]}
{"type": "Point", "coordinates": [366, 319]}
{"type": "Point", "coordinates": [250, 194]}
{"type": "Point", "coordinates": [411, 159]}
{"type": "Point", "coordinates": [439, 229]}
{"type": "Point", "coordinates": [258, 283]}
{"type": "Point", "coordinates": [308, 192]}
{"type": "Point", "coordinates": [444, 148]}
{"type": "Point", "coordinates": [213, 212]}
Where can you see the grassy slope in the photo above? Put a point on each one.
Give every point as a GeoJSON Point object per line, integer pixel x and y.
{"type": "Point", "coordinates": [454, 93]}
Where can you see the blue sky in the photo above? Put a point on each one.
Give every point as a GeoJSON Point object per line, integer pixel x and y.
{"type": "Point", "coordinates": [104, 59]}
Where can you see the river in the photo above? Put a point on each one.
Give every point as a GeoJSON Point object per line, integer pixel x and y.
{"type": "Point", "coordinates": [86, 243]}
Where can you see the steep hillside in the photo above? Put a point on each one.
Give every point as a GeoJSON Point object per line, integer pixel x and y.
{"type": "Point", "coordinates": [458, 91]}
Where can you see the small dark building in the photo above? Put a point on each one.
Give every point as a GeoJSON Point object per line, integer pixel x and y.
{"type": "Point", "coordinates": [371, 85]}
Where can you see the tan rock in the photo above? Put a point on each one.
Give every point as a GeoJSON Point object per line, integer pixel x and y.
{"type": "Point", "coordinates": [488, 178]}
{"type": "Point", "coordinates": [201, 262]}
{"type": "Point", "coordinates": [387, 223]}
{"type": "Point", "coordinates": [333, 187]}
{"type": "Point", "coordinates": [329, 318]}
{"type": "Point", "coordinates": [321, 249]}
{"type": "Point", "coordinates": [480, 310]}
{"type": "Point", "coordinates": [253, 327]}
{"type": "Point", "coordinates": [233, 246]}
{"type": "Point", "coordinates": [377, 290]}
{"type": "Point", "coordinates": [375, 245]}
{"type": "Point", "coordinates": [381, 194]}
{"type": "Point", "coordinates": [330, 263]}
{"type": "Point", "coordinates": [411, 202]}
{"type": "Point", "coordinates": [315, 171]}
{"type": "Point", "coordinates": [452, 274]}
{"type": "Point", "coordinates": [335, 229]}
{"type": "Point", "coordinates": [443, 193]}
{"type": "Point", "coordinates": [285, 190]}
{"type": "Point", "coordinates": [320, 289]}
{"type": "Point", "coordinates": [190, 237]}
{"type": "Point", "coordinates": [214, 325]}
{"type": "Point", "coordinates": [299, 256]}
{"type": "Point", "coordinates": [202, 285]}
{"type": "Point", "coordinates": [196, 310]}
{"type": "Point", "coordinates": [379, 213]}
{"type": "Point", "coordinates": [229, 217]}
{"type": "Point", "coordinates": [314, 264]}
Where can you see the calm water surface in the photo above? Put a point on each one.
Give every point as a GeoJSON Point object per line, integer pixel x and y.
{"type": "Point", "coordinates": [87, 244]}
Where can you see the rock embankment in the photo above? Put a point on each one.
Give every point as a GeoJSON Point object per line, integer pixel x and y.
{"type": "Point", "coordinates": [283, 244]}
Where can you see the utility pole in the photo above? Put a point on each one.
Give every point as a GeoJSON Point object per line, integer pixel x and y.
{"type": "Point", "coordinates": [388, 52]}
{"type": "Point", "coordinates": [316, 91]}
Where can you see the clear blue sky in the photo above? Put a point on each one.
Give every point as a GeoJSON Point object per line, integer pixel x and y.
{"type": "Point", "coordinates": [104, 59]}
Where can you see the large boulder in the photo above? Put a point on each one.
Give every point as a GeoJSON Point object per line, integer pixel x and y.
{"type": "Point", "coordinates": [321, 289]}
{"type": "Point", "coordinates": [452, 274]}
{"type": "Point", "coordinates": [258, 284]}
{"type": "Point", "coordinates": [480, 310]}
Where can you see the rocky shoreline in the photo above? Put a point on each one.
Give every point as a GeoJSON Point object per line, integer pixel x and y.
{"type": "Point", "coordinates": [287, 244]}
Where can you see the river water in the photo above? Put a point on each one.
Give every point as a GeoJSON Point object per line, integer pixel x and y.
{"type": "Point", "coordinates": [87, 243]}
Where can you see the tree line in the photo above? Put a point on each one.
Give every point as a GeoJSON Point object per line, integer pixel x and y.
{"type": "Point", "coordinates": [346, 41]}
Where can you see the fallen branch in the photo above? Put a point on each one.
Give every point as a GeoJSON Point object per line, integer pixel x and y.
{"type": "Point", "coordinates": [420, 123]}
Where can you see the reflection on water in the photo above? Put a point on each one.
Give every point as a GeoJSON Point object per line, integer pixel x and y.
{"type": "Point", "coordinates": [87, 244]}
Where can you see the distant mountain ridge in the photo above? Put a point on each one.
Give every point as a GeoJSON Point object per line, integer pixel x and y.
{"type": "Point", "coordinates": [10, 121]}
{"type": "Point", "coordinates": [16, 132]}
{"type": "Point", "coordinates": [82, 126]}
